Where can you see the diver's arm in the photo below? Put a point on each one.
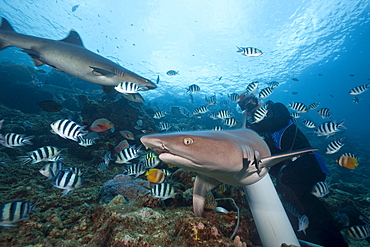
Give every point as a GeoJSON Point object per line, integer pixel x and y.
{"type": "Point", "coordinates": [277, 118]}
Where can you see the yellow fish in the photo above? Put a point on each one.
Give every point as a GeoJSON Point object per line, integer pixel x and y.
{"type": "Point", "coordinates": [347, 162]}
{"type": "Point", "coordinates": [155, 175]}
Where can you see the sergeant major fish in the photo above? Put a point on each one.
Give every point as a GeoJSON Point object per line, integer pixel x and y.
{"type": "Point", "coordinates": [252, 87]}
{"type": "Point", "coordinates": [51, 169]}
{"type": "Point", "coordinates": [334, 146]}
{"type": "Point", "coordinates": [15, 211]}
{"type": "Point", "coordinates": [70, 56]}
{"type": "Point", "coordinates": [249, 51]}
{"type": "Point", "coordinates": [265, 92]}
{"type": "Point", "coordinates": [163, 191]}
{"type": "Point", "coordinates": [46, 153]}
{"type": "Point", "coordinates": [329, 128]}
{"type": "Point", "coordinates": [127, 154]}
{"type": "Point", "coordinates": [320, 189]}
{"type": "Point", "coordinates": [68, 129]}
{"type": "Point", "coordinates": [11, 140]}
{"type": "Point", "coordinates": [134, 170]}
{"type": "Point", "coordinates": [298, 107]}
{"type": "Point", "coordinates": [359, 89]}
{"type": "Point", "coordinates": [68, 181]}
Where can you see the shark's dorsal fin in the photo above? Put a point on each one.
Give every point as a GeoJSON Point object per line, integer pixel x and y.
{"type": "Point", "coordinates": [5, 25]}
{"type": "Point", "coordinates": [73, 38]}
{"type": "Point", "coordinates": [202, 185]}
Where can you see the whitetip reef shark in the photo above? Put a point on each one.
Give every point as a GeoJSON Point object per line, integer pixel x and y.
{"type": "Point", "coordinates": [237, 157]}
{"type": "Point", "coordinates": [70, 56]}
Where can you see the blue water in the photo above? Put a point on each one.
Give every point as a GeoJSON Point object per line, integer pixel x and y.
{"type": "Point", "coordinates": [298, 39]}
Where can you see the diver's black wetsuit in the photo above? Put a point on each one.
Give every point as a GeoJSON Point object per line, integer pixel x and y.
{"type": "Point", "coordinates": [295, 179]}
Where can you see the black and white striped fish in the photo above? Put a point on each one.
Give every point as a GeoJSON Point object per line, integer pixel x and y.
{"type": "Point", "coordinates": [134, 170]}
{"type": "Point", "coordinates": [351, 155]}
{"type": "Point", "coordinates": [127, 154]}
{"type": "Point", "coordinates": [163, 191]}
{"type": "Point", "coordinates": [68, 129]}
{"type": "Point", "coordinates": [334, 146]}
{"type": "Point", "coordinates": [359, 232]}
{"type": "Point", "coordinates": [201, 110]}
{"type": "Point", "coordinates": [74, 169]}
{"type": "Point", "coordinates": [252, 87]}
{"type": "Point", "coordinates": [249, 51]}
{"type": "Point", "coordinates": [313, 106]}
{"type": "Point", "coordinates": [164, 126]}
{"type": "Point", "coordinates": [264, 93]}
{"type": "Point", "coordinates": [11, 140]}
{"type": "Point", "coordinates": [47, 153]}
{"type": "Point", "coordinates": [51, 169]}
{"type": "Point", "coordinates": [15, 211]}
{"type": "Point", "coordinates": [359, 89]}
{"type": "Point", "coordinates": [234, 97]}
{"type": "Point", "coordinates": [127, 87]}
{"type": "Point", "coordinates": [259, 114]}
{"type": "Point", "coordinates": [222, 114]}
{"type": "Point", "coordinates": [151, 162]}
{"type": "Point", "coordinates": [231, 122]}
{"type": "Point", "coordinates": [68, 181]}
{"type": "Point", "coordinates": [150, 154]}
{"type": "Point", "coordinates": [217, 128]}
{"type": "Point", "coordinates": [194, 88]}
{"type": "Point", "coordinates": [159, 114]}
{"type": "Point", "coordinates": [324, 112]}
{"type": "Point", "coordinates": [273, 84]}
{"type": "Point", "coordinates": [86, 142]}
{"type": "Point", "coordinates": [309, 124]}
{"type": "Point", "coordinates": [295, 115]}
{"type": "Point", "coordinates": [211, 100]}
{"type": "Point", "coordinates": [320, 189]}
{"type": "Point", "coordinates": [329, 128]}
{"type": "Point", "coordinates": [298, 107]}
{"type": "Point", "coordinates": [303, 223]}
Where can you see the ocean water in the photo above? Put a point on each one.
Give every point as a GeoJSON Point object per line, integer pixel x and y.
{"type": "Point", "coordinates": [324, 44]}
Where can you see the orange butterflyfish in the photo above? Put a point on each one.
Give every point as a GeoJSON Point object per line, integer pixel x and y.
{"type": "Point", "coordinates": [101, 124]}
{"type": "Point", "coordinates": [127, 134]}
{"type": "Point", "coordinates": [348, 162]}
{"type": "Point", "coordinates": [155, 175]}
{"type": "Point", "coordinates": [120, 146]}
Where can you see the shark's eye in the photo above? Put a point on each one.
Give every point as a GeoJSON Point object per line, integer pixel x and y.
{"type": "Point", "coordinates": [188, 141]}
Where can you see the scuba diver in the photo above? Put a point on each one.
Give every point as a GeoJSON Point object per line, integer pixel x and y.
{"type": "Point", "coordinates": [295, 178]}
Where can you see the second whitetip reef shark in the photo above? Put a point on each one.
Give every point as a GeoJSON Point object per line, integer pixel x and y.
{"type": "Point", "coordinates": [70, 56]}
{"type": "Point", "coordinates": [237, 157]}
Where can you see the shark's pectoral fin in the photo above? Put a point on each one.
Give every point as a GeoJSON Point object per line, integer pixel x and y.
{"type": "Point", "coordinates": [101, 72]}
{"type": "Point", "coordinates": [35, 56]}
{"type": "Point", "coordinates": [274, 159]}
{"type": "Point", "coordinates": [202, 185]}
